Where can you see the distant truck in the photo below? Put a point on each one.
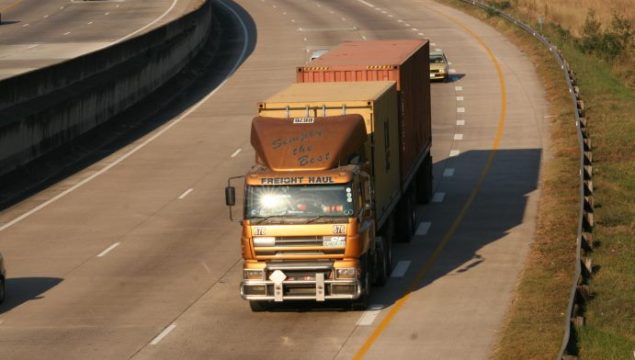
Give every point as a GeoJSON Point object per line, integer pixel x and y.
{"type": "Point", "coordinates": [339, 167]}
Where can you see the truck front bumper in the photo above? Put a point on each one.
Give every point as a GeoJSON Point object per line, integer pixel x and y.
{"type": "Point", "coordinates": [319, 289]}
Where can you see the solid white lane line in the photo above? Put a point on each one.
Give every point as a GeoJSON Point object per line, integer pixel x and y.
{"type": "Point", "coordinates": [151, 23]}
{"type": "Point", "coordinates": [458, 136]}
{"type": "Point", "coordinates": [186, 193]}
{"type": "Point", "coordinates": [109, 249]}
{"type": "Point", "coordinates": [149, 140]}
{"type": "Point", "coordinates": [369, 315]}
{"type": "Point", "coordinates": [454, 153]}
{"type": "Point", "coordinates": [460, 110]}
{"type": "Point", "coordinates": [459, 98]}
{"type": "Point", "coordinates": [460, 122]}
{"type": "Point", "coordinates": [438, 197]}
{"type": "Point", "coordinates": [163, 334]}
{"type": "Point", "coordinates": [401, 269]}
{"type": "Point", "coordinates": [448, 172]}
{"type": "Point", "coordinates": [366, 3]}
{"type": "Point", "coordinates": [235, 153]}
{"type": "Point", "coordinates": [458, 88]}
{"type": "Point", "coordinates": [423, 228]}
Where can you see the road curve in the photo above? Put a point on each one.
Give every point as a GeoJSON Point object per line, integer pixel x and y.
{"type": "Point", "coordinates": [141, 261]}
{"type": "Point", "coordinates": [37, 33]}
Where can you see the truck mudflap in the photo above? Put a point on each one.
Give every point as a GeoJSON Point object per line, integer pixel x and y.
{"type": "Point", "coordinates": [283, 286]}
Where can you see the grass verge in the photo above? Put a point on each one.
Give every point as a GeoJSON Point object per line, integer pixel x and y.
{"type": "Point", "coordinates": [534, 324]}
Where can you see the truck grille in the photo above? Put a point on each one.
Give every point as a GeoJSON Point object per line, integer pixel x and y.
{"type": "Point", "coordinates": [309, 246]}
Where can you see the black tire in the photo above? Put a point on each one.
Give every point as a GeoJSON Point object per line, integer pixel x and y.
{"type": "Point", "coordinates": [380, 265]}
{"type": "Point", "coordinates": [259, 306]}
{"type": "Point", "coordinates": [388, 233]}
{"type": "Point", "coordinates": [424, 181]}
{"type": "Point", "coordinates": [361, 303]}
{"type": "Point", "coordinates": [2, 290]}
{"type": "Point", "coordinates": [407, 215]}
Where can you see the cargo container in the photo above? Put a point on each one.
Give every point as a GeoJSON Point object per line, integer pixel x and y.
{"type": "Point", "coordinates": [403, 61]}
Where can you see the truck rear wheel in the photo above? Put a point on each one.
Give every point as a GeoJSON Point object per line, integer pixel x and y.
{"type": "Point", "coordinates": [381, 266]}
{"type": "Point", "coordinates": [388, 233]}
{"type": "Point", "coordinates": [424, 181]}
{"type": "Point", "coordinates": [407, 215]}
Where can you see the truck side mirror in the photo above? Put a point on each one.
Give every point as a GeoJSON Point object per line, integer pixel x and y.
{"type": "Point", "coordinates": [230, 196]}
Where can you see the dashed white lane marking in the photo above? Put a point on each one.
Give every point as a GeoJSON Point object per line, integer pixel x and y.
{"type": "Point", "coordinates": [460, 110]}
{"type": "Point", "coordinates": [90, 22]}
{"type": "Point", "coordinates": [165, 13]}
{"type": "Point", "coordinates": [433, 44]}
{"type": "Point", "coordinates": [61, 8]}
{"type": "Point", "coordinates": [448, 172]}
{"type": "Point", "coordinates": [45, 16]}
{"type": "Point", "coordinates": [391, 15]}
{"type": "Point", "coordinates": [407, 25]}
{"type": "Point", "coordinates": [66, 33]}
{"type": "Point", "coordinates": [458, 88]}
{"type": "Point", "coordinates": [236, 152]}
{"type": "Point", "coordinates": [400, 270]}
{"type": "Point", "coordinates": [293, 21]}
{"type": "Point", "coordinates": [186, 193]}
{"type": "Point", "coordinates": [343, 19]}
{"type": "Point", "coordinates": [458, 136]}
{"type": "Point", "coordinates": [369, 315]}
{"type": "Point", "coordinates": [366, 3]}
{"type": "Point", "coordinates": [109, 249]}
{"type": "Point", "coordinates": [25, 25]}
{"type": "Point", "coordinates": [414, 29]}
{"type": "Point", "coordinates": [284, 13]}
{"type": "Point", "coordinates": [400, 20]}
{"type": "Point", "coordinates": [438, 197]}
{"type": "Point", "coordinates": [363, 37]}
{"type": "Point", "coordinates": [452, 71]}
{"type": "Point", "coordinates": [163, 334]}
{"type": "Point", "coordinates": [162, 131]}
{"type": "Point", "coordinates": [460, 122]}
{"type": "Point", "coordinates": [33, 46]}
{"type": "Point", "coordinates": [459, 98]}
{"type": "Point", "coordinates": [454, 153]}
{"type": "Point", "coordinates": [106, 14]}
{"type": "Point", "coordinates": [420, 34]}
{"type": "Point", "coordinates": [423, 228]}
{"type": "Point", "coordinates": [306, 39]}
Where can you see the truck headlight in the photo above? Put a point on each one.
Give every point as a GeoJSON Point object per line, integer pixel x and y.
{"type": "Point", "coordinates": [253, 274]}
{"type": "Point", "coordinates": [264, 241]}
{"type": "Point", "coordinates": [334, 241]}
{"type": "Point", "coordinates": [346, 273]}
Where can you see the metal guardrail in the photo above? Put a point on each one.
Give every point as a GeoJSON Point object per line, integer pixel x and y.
{"type": "Point", "coordinates": [579, 293]}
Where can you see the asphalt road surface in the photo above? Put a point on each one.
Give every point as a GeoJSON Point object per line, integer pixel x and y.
{"type": "Point", "coordinates": [134, 257]}
{"type": "Point", "coordinates": [37, 33]}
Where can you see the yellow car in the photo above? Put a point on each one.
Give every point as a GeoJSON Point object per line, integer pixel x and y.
{"type": "Point", "coordinates": [439, 68]}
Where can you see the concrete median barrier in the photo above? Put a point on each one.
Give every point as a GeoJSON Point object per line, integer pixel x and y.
{"type": "Point", "coordinates": [49, 107]}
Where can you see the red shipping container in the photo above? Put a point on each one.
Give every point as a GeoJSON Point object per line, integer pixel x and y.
{"type": "Point", "coordinates": [403, 61]}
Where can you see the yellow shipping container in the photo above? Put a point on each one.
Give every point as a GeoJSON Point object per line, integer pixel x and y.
{"type": "Point", "coordinates": [376, 102]}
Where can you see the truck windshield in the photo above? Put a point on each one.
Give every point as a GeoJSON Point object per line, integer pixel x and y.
{"type": "Point", "coordinates": [299, 201]}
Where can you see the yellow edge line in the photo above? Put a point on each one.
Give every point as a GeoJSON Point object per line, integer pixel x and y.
{"type": "Point", "coordinates": [448, 236]}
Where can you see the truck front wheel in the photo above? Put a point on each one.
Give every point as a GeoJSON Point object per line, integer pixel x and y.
{"type": "Point", "coordinates": [259, 306]}
{"type": "Point", "coordinates": [361, 303]}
